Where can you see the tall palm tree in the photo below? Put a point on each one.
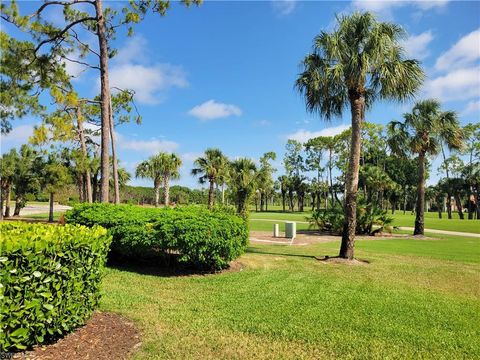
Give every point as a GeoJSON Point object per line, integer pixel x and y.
{"type": "Point", "coordinates": [210, 168]}
{"type": "Point", "coordinates": [359, 62]}
{"type": "Point", "coordinates": [422, 133]}
{"type": "Point", "coordinates": [160, 168]}
{"type": "Point", "coordinates": [243, 176]}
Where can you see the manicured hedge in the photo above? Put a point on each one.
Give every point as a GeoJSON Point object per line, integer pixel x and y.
{"type": "Point", "coordinates": [49, 280]}
{"type": "Point", "coordinates": [195, 236]}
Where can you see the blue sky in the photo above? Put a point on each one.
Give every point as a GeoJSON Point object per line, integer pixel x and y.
{"type": "Point", "coordinates": [222, 75]}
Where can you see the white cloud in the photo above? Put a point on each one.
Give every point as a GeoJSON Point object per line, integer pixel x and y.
{"type": "Point", "coordinates": [149, 147]}
{"type": "Point", "coordinates": [416, 46]}
{"type": "Point", "coordinates": [147, 81]}
{"type": "Point", "coordinates": [283, 7]}
{"type": "Point", "coordinates": [190, 157]}
{"type": "Point", "coordinates": [303, 135]}
{"type": "Point", "coordinates": [464, 53]}
{"type": "Point", "coordinates": [134, 50]}
{"type": "Point", "coordinates": [460, 84]}
{"type": "Point", "coordinates": [472, 107]}
{"type": "Point", "coordinates": [385, 7]}
{"type": "Point", "coordinates": [212, 109]}
{"type": "Point", "coordinates": [263, 123]}
{"type": "Point", "coordinates": [17, 136]}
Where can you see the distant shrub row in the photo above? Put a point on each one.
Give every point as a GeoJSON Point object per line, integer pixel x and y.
{"type": "Point", "coordinates": [49, 280]}
{"type": "Point", "coordinates": [193, 235]}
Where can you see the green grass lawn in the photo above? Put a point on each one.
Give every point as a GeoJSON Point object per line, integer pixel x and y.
{"type": "Point", "coordinates": [416, 299]}
{"type": "Point", "coordinates": [431, 221]}
{"type": "Point", "coordinates": [44, 216]}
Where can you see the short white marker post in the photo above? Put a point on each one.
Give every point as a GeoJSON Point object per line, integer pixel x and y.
{"type": "Point", "coordinates": [291, 230]}
{"type": "Point", "coordinates": [275, 230]}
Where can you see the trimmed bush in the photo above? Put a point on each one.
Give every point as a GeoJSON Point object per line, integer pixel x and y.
{"type": "Point", "coordinates": [49, 280]}
{"type": "Point", "coordinates": [197, 237]}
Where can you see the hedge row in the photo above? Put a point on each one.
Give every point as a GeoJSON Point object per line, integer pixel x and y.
{"type": "Point", "coordinates": [197, 237]}
{"type": "Point", "coordinates": [49, 280]}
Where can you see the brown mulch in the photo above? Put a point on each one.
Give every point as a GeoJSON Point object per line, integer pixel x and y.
{"type": "Point", "coordinates": [105, 336]}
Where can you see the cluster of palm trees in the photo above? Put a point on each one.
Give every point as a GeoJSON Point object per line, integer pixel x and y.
{"type": "Point", "coordinates": [242, 176]}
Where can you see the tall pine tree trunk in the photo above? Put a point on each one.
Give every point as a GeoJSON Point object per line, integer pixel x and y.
{"type": "Point", "coordinates": [105, 103]}
{"type": "Point", "coordinates": [420, 206]}
{"type": "Point", "coordinates": [116, 185]}
{"type": "Point", "coordinates": [357, 103]}
{"type": "Point", "coordinates": [83, 147]}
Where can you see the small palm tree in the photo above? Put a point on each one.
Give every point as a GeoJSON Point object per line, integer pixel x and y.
{"type": "Point", "coordinates": [242, 181]}
{"type": "Point", "coordinates": [360, 62]}
{"type": "Point", "coordinates": [210, 168]}
{"type": "Point", "coordinates": [160, 168]}
{"type": "Point", "coordinates": [422, 133]}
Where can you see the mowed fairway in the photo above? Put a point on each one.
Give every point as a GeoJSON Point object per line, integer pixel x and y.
{"type": "Point", "coordinates": [416, 299]}
{"type": "Point", "coordinates": [402, 220]}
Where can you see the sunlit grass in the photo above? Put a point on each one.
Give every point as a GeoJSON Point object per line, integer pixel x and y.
{"type": "Point", "coordinates": [416, 299]}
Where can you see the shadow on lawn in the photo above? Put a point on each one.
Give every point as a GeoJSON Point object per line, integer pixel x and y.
{"type": "Point", "coordinates": [257, 251]}
{"type": "Point", "coordinates": [157, 267]}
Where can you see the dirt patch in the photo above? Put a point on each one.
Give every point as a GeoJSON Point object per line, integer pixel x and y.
{"type": "Point", "coordinates": [105, 336]}
{"type": "Point", "coordinates": [338, 260]}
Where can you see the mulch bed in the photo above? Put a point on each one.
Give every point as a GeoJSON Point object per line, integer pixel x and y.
{"type": "Point", "coordinates": [105, 336]}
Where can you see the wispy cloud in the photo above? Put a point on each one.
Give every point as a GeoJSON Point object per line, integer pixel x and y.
{"type": "Point", "coordinates": [130, 70]}
{"type": "Point", "coordinates": [303, 135]}
{"type": "Point", "coordinates": [385, 7]}
{"type": "Point", "coordinates": [211, 109]}
{"type": "Point", "coordinates": [472, 107]}
{"type": "Point", "coordinates": [457, 71]}
{"type": "Point", "coordinates": [283, 7]}
{"type": "Point", "coordinates": [18, 136]}
{"type": "Point", "coordinates": [148, 147]}
{"type": "Point", "coordinates": [465, 52]}
{"type": "Point", "coordinates": [416, 46]}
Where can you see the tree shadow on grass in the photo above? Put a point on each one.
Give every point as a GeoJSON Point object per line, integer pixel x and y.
{"type": "Point", "coordinates": [257, 251]}
{"type": "Point", "coordinates": [159, 267]}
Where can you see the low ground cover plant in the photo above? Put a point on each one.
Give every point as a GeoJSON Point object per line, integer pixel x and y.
{"type": "Point", "coordinates": [370, 220]}
{"type": "Point", "coordinates": [192, 235]}
{"type": "Point", "coordinates": [49, 280]}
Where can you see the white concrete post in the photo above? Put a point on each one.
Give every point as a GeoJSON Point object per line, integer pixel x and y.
{"type": "Point", "coordinates": [276, 232]}
{"type": "Point", "coordinates": [290, 229]}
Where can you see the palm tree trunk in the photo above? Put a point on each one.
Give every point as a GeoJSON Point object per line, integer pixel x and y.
{"type": "Point", "coordinates": [420, 207]}
{"type": "Point", "coordinates": [223, 193]}
{"type": "Point", "coordinates": [449, 204]}
{"type": "Point", "coordinates": [8, 191]}
{"type": "Point", "coordinates": [1, 201]}
{"type": "Point", "coordinates": [157, 194]}
{"type": "Point", "coordinates": [83, 147]}
{"type": "Point", "coordinates": [458, 203]}
{"type": "Point", "coordinates": [116, 186]}
{"type": "Point", "coordinates": [283, 200]}
{"type": "Point", "coordinates": [348, 236]}
{"type": "Point", "coordinates": [18, 207]}
{"type": "Point", "coordinates": [105, 102]}
{"type": "Point", "coordinates": [166, 189]}
{"type": "Point", "coordinates": [50, 212]}
{"type": "Point", "coordinates": [210, 194]}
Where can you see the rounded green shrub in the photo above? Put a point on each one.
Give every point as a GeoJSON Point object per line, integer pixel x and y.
{"type": "Point", "coordinates": [49, 280]}
{"type": "Point", "coordinates": [197, 237]}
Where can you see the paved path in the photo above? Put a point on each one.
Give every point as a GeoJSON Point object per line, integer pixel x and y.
{"type": "Point", "coordinates": [433, 231]}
